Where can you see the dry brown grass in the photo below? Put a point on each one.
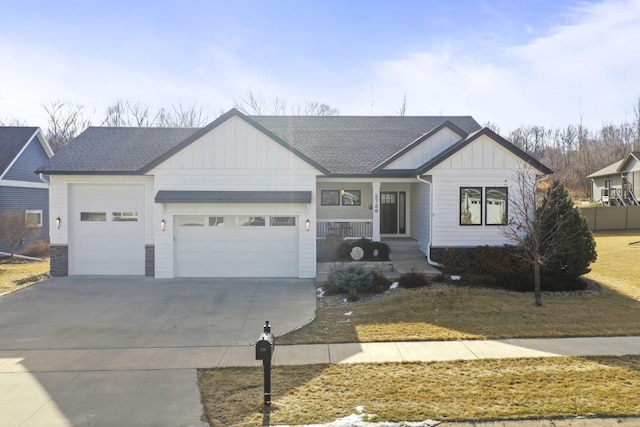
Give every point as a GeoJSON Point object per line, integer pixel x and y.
{"type": "Point", "coordinates": [19, 275]}
{"type": "Point", "coordinates": [461, 390]}
{"type": "Point", "coordinates": [475, 313]}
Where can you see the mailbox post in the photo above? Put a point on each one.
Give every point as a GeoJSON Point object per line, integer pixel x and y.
{"type": "Point", "coordinates": [264, 352]}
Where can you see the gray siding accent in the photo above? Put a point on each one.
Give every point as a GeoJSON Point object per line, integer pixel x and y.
{"type": "Point", "coordinates": [165, 196]}
{"type": "Point", "coordinates": [30, 159]}
{"type": "Point", "coordinates": [59, 260]}
{"type": "Point", "coordinates": [150, 260]}
{"type": "Point", "coordinates": [420, 214]}
{"type": "Point", "coordinates": [26, 199]}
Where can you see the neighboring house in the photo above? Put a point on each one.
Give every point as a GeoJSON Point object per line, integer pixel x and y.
{"type": "Point", "coordinates": [250, 195]}
{"type": "Point", "coordinates": [22, 150]}
{"type": "Point", "coordinates": [616, 184]}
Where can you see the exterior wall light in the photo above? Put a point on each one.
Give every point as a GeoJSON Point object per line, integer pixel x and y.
{"type": "Point", "coordinates": [307, 224]}
{"type": "Point", "coordinates": [163, 224]}
{"type": "Point", "coordinates": [58, 222]}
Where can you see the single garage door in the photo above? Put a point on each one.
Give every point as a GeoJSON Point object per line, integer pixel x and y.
{"type": "Point", "coordinates": [236, 246]}
{"type": "Point", "coordinates": [106, 235]}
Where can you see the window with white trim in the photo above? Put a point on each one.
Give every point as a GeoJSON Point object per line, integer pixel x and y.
{"type": "Point", "coordinates": [33, 218]}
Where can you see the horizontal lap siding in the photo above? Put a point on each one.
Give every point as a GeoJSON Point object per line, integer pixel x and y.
{"type": "Point", "coordinates": [26, 199]}
{"type": "Point", "coordinates": [24, 168]}
{"type": "Point", "coordinates": [420, 212]}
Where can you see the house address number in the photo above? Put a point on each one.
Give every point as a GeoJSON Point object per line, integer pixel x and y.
{"type": "Point", "coordinates": [376, 202]}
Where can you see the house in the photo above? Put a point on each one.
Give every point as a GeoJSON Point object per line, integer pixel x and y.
{"type": "Point", "coordinates": [615, 184]}
{"type": "Point", "coordinates": [250, 195]}
{"type": "Point", "coordinates": [22, 150]}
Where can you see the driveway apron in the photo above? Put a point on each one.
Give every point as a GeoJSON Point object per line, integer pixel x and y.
{"type": "Point", "coordinates": [72, 349]}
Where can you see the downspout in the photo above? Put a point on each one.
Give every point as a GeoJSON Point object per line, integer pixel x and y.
{"type": "Point", "coordinates": [429, 260]}
{"type": "Point", "coordinates": [43, 179]}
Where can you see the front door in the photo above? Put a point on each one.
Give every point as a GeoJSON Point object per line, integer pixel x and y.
{"type": "Point", "coordinates": [388, 212]}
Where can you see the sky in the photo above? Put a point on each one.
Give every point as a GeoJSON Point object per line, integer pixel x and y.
{"type": "Point", "coordinates": [510, 62]}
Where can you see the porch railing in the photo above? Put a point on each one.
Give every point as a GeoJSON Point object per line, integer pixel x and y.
{"type": "Point", "coordinates": [352, 229]}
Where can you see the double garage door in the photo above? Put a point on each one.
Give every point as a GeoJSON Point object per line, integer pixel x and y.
{"type": "Point", "coordinates": [236, 246]}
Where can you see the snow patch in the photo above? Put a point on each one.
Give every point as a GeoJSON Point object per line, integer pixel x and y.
{"type": "Point", "coordinates": [348, 313]}
{"type": "Point", "coordinates": [320, 292]}
{"type": "Point", "coordinates": [394, 285]}
{"type": "Point", "coordinates": [359, 420]}
{"type": "Point", "coordinates": [456, 277]}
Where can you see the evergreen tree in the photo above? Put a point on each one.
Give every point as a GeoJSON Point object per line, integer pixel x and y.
{"type": "Point", "coordinates": [575, 238]}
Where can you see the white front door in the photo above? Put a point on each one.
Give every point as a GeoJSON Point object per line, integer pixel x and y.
{"type": "Point", "coordinates": [106, 235]}
{"type": "Point", "coordinates": [236, 246]}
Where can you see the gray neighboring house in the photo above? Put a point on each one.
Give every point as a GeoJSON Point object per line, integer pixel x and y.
{"type": "Point", "coordinates": [22, 151]}
{"type": "Point", "coordinates": [617, 184]}
{"type": "Point", "coordinates": [251, 195]}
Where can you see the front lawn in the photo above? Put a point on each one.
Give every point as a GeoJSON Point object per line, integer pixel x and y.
{"type": "Point", "coordinates": [453, 313]}
{"type": "Point", "coordinates": [460, 390]}
{"type": "Point", "coordinates": [22, 274]}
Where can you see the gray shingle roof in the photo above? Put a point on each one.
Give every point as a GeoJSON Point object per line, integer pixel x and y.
{"type": "Point", "coordinates": [12, 139]}
{"type": "Point", "coordinates": [115, 150]}
{"type": "Point", "coordinates": [355, 144]}
{"type": "Point", "coordinates": [337, 144]}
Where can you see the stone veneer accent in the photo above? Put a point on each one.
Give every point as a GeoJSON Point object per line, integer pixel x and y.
{"type": "Point", "coordinates": [59, 257]}
{"type": "Point", "coordinates": [150, 260]}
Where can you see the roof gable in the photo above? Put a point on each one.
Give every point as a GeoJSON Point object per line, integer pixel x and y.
{"type": "Point", "coordinates": [215, 124]}
{"type": "Point", "coordinates": [14, 140]}
{"type": "Point", "coordinates": [630, 159]}
{"type": "Point", "coordinates": [448, 153]}
{"type": "Point", "coordinates": [440, 137]}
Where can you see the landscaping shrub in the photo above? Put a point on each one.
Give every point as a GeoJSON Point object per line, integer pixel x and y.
{"type": "Point", "coordinates": [39, 249]}
{"type": "Point", "coordinates": [329, 247]}
{"type": "Point", "coordinates": [380, 283]}
{"type": "Point", "coordinates": [413, 280]}
{"type": "Point", "coordinates": [440, 278]}
{"type": "Point", "coordinates": [352, 279]}
{"type": "Point", "coordinates": [498, 260]}
{"type": "Point", "coordinates": [343, 251]}
{"type": "Point", "coordinates": [455, 261]}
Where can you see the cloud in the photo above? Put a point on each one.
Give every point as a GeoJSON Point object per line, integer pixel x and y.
{"type": "Point", "coordinates": [588, 67]}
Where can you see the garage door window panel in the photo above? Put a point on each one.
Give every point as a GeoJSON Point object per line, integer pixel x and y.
{"type": "Point", "coordinates": [124, 216]}
{"type": "Point", "coordinates": [252, 221]}
{"type": "Point", "coordinates": [93, 216]}
{"type": "Point", "coordinates": [282, 221]}
{"type": "Point", "coordinates": [191, 221]}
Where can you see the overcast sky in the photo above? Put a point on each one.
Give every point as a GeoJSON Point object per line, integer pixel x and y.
{"type": "Point", "coordinates": [511, 62]}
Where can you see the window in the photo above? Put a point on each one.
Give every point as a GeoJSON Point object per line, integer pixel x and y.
{"type": "Point", "coordinates": [191, 221]}
{"type": "Point", "coordinates": [351, 198]}
{"type": "Point", "coordinates": [33, 219]}
{"type": "Point", "coordinates": [470, 205]}
{"type": "Point", "coordinates": [496, 205]}
{"type": "Point", "coordinates": [93, 216]}
{"type": "Point", "coordinates": [124, 216]}
{"type": "Point", "coordinates": [330, 197]}
{"type": "Point", "coordinates": [221, 221]}
{"type": "Point", "coordinates": [252, 221]}
{"type": "Point", "coordinates": [282, 221]}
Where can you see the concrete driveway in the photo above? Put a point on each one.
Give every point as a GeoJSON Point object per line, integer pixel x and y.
{"type": "Point", "coordinates": [98, 351]}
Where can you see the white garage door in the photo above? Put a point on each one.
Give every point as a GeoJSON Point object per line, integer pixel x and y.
{"type": "Point", "coordinates": [106, 230]}
{"type": "Point", "coordinates": [236, 246]}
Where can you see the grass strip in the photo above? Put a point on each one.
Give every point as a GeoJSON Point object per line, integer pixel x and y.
{"type": "Point", "coordinates": [459, 390]}
{"type": "Point", "coordinates": [19, 275]}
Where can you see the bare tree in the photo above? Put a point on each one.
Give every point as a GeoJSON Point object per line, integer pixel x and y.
{"type": "Point", "coordinates": [14, 228]}
{"type": "Point", "coordinates": [402, 110]}
{"type": "Point", "coordinates": [493, 126]}
{"type": "Point", "coordinates": [181, 116]}
{"type": "Point", "coordinates": [66, 121]}
{"type": "Point", "coordinates": [12, 122]}
{"type": "Point", "coordinates": [129, 113]}
{"type": "Point", "coordinates": [256, 105]}
{"type": "Point", "coordinates": [636, 116]}
{"type": "Point", "coordinates": [538, 228]}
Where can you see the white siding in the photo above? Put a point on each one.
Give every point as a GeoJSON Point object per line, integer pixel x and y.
{"type": "Point", "coordinates": [59, 202]}
{"type": "Point", "coordinates": [419, 214]}
{"type": "Point", "coordinates": [426, 150]}
{"type": "Point", "coordinates": [235, 157]}
{"type": "Point", "coordinates": [483, 163]}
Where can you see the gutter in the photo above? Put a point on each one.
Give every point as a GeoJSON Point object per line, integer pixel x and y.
{"type": "Point", "coordinates": [429, 260]}
{"type": "Point", "coordinates": [43, 179]}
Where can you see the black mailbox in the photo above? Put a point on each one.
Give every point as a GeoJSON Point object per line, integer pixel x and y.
{"type": "Point", "coordinates": [264, 352]}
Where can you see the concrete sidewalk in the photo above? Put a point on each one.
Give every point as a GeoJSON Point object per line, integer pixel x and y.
{"type": "Point", "coordinates": [168, 358]}
{"type": "Point", "coordinates": [62, 387]}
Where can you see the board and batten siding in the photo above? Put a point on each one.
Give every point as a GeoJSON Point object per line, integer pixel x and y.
{"type": "Point", "coordinates": [419, 214]}
{"type": "Point", "coordinates": [426, 150]}
{"type": "Point", "coordinates": [235, 156]}
{"type": "Point", "coordinates": [30, 159]}
{"type": "Point", "coordinates": [26, 199]}
{"type": "Point", "coordinates": [483, 163]}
